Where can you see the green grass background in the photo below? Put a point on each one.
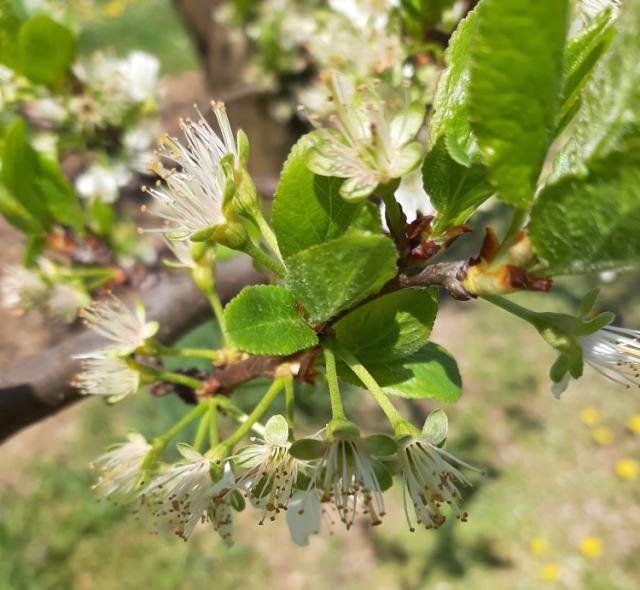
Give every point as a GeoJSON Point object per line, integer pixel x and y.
{"type": "Point", "coordinates": [546, 479]}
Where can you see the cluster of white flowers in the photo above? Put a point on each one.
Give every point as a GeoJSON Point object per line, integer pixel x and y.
{"type": "Point", "coordinates": [348, 475]}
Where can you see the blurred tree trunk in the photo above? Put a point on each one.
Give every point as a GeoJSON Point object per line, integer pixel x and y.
{"type": "Point", "coordinates": [224, 63]}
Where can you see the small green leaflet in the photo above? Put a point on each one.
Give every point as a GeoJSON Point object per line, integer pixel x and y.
{"type": "Point", "coordinates": [456, 190]}
{"type": "Point", "coordinates": [389, 327]}
{"type": "Point", "coordinates": [609, 116]}
{"type": "Point", "coordinates": [590, 223]}
{"type": "Point", "coordinates": [335, 275]}
{"type": "Point", "coordinates": [583, 53]}
{"type": "Point", "coordinates": [516, 81]}
{"type": "Point", "coordinates": [264, 320]}
{"type": "Point", "coordinates": [429, 373]}
{"type": "Point", "coordinates": [309, 210]}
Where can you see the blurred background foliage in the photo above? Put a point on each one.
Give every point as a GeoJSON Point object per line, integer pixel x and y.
{"type": "Point", "coordinates": [558, 508]}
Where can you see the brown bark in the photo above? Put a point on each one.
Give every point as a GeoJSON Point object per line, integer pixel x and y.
{"type": "Point", "coordinates": [39, 386]}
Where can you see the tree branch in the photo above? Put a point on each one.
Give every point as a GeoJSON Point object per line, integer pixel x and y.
{"type": "Point", "coordinates": [38, 386]}
{"type": "Point", "coordinates": [448, 275]}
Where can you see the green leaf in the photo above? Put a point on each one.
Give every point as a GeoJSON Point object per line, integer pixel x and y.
{"type": "Point", "coordinates": [516, 79]}
{"type": "Point", "coordinates": [431, 372]}
{"type": "Point", "coordinates": [335, 275]}
{"type": "Point", "coordinates": [308, 209]}
{"type": "Point", "coordinates": [389, 327]}
{"type": "Point", "coordinates": [9, 27]}
{"type": "Point", "coordinates": [450, 114]}
{"type": "Point", "coordinates": [609, 117]}
{"type": "Point", "coordinates": [456, 190]}
{"type": "Point", "coordinates": [264, 320]}
{"type": "Point", "coordinates": [20, 170]}
{"type": "Point", "coordinates": [308, 449]}
{"type": "Point", "coordinates": [59, 196]}
{"type": "Point", "coordinates": [46, 50]}
{"type": "Point", "coordinates": [590, 223]}
{"type": "Point", "coordinates": [583, 53]}
{"type": "Point", "coordinates": [436, 427]}
{"type": "Point", "coordinates": [16, 214]}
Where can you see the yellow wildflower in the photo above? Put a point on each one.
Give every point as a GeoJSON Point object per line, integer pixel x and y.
{"type": "Point", "coordinates": [538, 546]}
{"type": "Point", "coordinates": [550, 572]}
{"type": "Point", "coordinates": [602, 436]}
{"type": "Point", "coordinates": [115, 8]}
{"type": "Point", "coordinates": [590, 416]}
{"type": "Point", "coordinates": [591, 547]}
{"type": "Point", "coordinates": [633, 424]}
{"type": "Point", "coordinates": [627, 469]}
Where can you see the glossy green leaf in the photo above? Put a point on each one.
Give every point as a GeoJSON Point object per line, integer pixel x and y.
{"type": "Point", "coordinates": [16, 214]}
{"type": "Point", "coordinates": [264, 320]}
{"type": "Point", "coordinates": [335, 275]}
{"type": "Point", "coordinates": [46, 49]}
{"type": "Point", "coordinates": [389, 327]}
{"type": "Point", "coordinates": [450, 113]}
{"type": "Point", "coordinates": [58, 194]}
{"type": "Point", "coordinates": [9, 27]}
{"type": "Point", "coordinates": [431, 372]}
{"type": "Point", "coordinates": [589, 223]}
{"type": "Point", "coordinates": [20, 170]}
{"type": "Point", "coordinates": [308, 208]}
{"type": "Point", "coordinates": [516, 82]}
{"type": "Point", "coordinates": [456, 190]}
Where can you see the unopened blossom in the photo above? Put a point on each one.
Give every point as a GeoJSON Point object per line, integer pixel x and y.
{"type": "Point", "coordinates": [192, 197]}
{"type": "Point", "coordinates": [271, 472]}
{"type": "Point", "coordinates": [121, 468]}
{"type": "Point", "coordinates": [21, 288]}
{"type": "Point", "coordinates": [431, 477]}
{"type": "Point", "coordinates": [615, 353]}
{"type": "Point", "coordinates": [109, 376]}
{"type": "Point", "coordinates": [127, 330]}
{"type": "Point", "coordinates": [369, 146]}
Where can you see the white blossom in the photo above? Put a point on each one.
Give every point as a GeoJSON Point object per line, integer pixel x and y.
{"type": "Point", "coordinates": [615, 353]}
{"type": "Point", "coordinates": [179, 497]}
{"type": "Point", "coordinates": [106, 376]}
{"type": "Point", "coordinates": [271, 472]}
{"type": "Point", "coordinates": [140, 76]}
{"type": "Point", "coordinates": [21, 289]}
{"type": "Point", "coordinates": [127, 330]}
{"type": "Point", "coordinates": [65, 301]}
{"type": "Point", "coordinates": [430, 478]}
{"type": "Point", "coordinates": [121, 468]}
{"type": "Point", "coordinates": [193, 196]}
{"type": "Point", "coordinates": [369, 146]}
{"type": "Point", "coordinates": [102, 183]}
{"type": "Point", "coordinates": [346, 477]}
